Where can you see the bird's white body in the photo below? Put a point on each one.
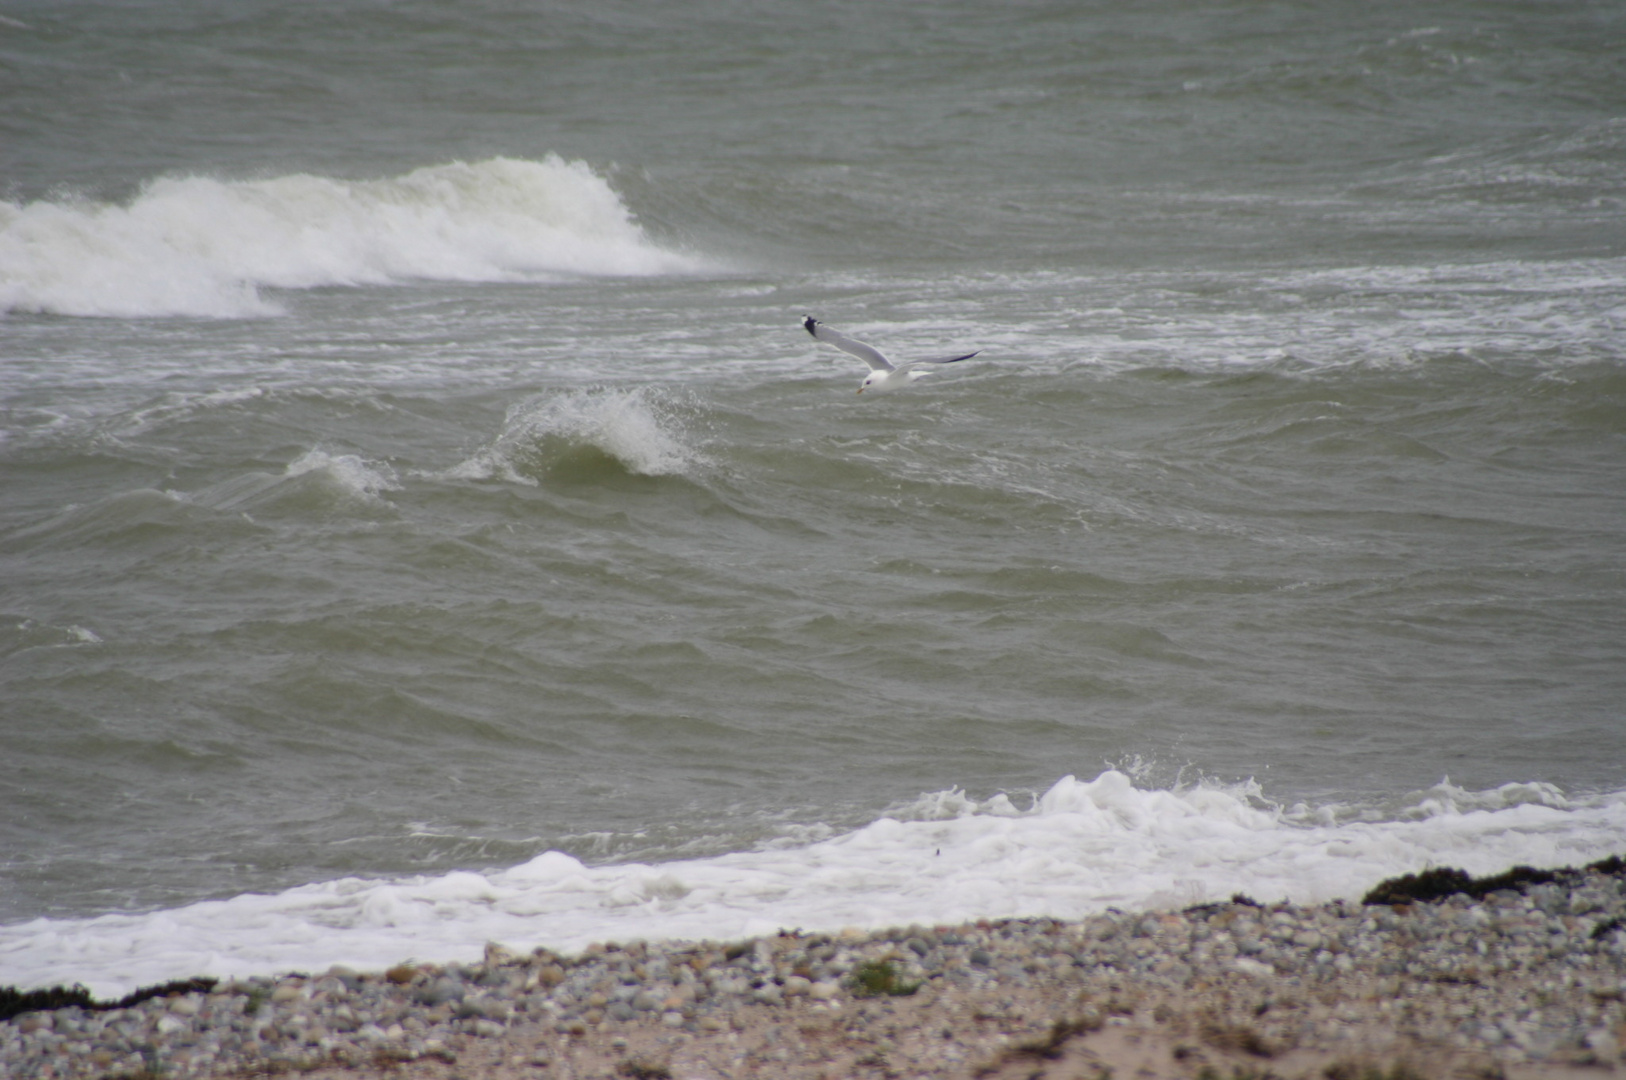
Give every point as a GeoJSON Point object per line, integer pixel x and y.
{"type": "Point", "coordinates": [879, 381]}
{"type": "Point", "coordinates": [883, 374]}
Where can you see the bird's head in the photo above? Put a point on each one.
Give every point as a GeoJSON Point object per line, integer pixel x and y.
{"type": "Point", "coordinates": [869, 380]}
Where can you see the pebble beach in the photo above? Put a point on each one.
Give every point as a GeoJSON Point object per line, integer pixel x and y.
{"type": "Point", "coordinates": [1520, 982]}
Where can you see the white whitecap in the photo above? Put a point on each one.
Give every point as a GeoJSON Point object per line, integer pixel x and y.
{"type": "Point", "coordinates": [202, 246]}
{"type": "Point", "coordinates": [350, 472]}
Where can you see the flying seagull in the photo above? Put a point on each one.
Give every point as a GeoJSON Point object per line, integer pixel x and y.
{"type": "Point", "coordinates": [883, 374]}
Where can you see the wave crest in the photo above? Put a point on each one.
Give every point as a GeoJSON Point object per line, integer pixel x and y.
{"type": "Point", "coordinates": [205, 247]}
{"type": "Point", "coordinates": [580, 435]}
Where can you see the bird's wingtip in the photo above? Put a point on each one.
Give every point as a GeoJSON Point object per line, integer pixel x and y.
{"type": "Point", "coordinates": [808, 323]}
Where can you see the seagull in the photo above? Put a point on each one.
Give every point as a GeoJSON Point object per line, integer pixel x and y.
{"type": "Point", "coordinates": [883, 374]}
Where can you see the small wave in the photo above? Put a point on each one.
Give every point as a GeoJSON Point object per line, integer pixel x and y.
{"type": "Point", "coordinates": [126, 520]}
{"type": "Point", "coordinates": [1443, 800]}
{"type": "Point", "coordinates": [579, 434]}
{"type": "Point", "coordinates": [352, 474]}
{"type": "Point", "coordinates": [206, 247]}
{"type": "Point", "coordinates": [317, 482]}
{"type": "Point", "coordinates": [313, 482]}
{"type": "Point", "coordinates": [26, 633]}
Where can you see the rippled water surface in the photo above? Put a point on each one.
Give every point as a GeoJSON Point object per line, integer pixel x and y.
{"type": "Point", "coordinates": [411, 461]}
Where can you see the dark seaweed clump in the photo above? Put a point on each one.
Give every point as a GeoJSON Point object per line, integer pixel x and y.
{"type": "Point", "coordinates": [1446, 881]}
{"type": "Point", "coordinates": [1208, 911]}
{"type": "Point", "coordinates": [14, 1002]}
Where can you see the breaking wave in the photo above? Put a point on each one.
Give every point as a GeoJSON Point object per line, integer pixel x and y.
{"type": "Point", "coordinates": [198, 246]}
{"type": "Point", "coordinates": [1082, 846]}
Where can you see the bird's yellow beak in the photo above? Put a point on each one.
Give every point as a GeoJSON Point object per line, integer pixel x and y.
{"type": "Point", "coordinates": [860, 389]}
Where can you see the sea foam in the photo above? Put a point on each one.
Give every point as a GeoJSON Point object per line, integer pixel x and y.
{"type": "Point", "coordinates": [207, 247]}
{"type": "Point", "coordinates": [1081, 847]}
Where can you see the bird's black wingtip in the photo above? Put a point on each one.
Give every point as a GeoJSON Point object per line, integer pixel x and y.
{"type": "Point", "coordinates": [808, 323]}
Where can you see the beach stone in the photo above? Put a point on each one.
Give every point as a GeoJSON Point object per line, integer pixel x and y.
{"type": "Point", "coordinates": [487, 1008]}
{"type": "Point", "coordinates": [444, 990]}
{"type": "Point", "coordinates": [499, 979]}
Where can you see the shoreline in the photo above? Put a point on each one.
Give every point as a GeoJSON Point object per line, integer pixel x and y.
{"type": "Point", "coordinates": [1525, 981]}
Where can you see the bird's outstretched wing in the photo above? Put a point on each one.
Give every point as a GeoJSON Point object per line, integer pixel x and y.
{"type": "Point", "coordinates": [940, 360]}
{"type": "Point", "coordinates": [869, 354]}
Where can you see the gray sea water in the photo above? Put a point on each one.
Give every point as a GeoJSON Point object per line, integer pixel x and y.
{"type": "Point", "coordinates": [412, 462]}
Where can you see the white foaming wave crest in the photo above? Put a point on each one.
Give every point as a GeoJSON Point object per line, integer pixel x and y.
{"type": "Point", "coordinates": [32, 634]}
{"type": "Point", "coordinates": [635, 427]}
{"type": "Point", "coordinates": [352, 473]}
{"type": "Point", "coordinates": [206, 247]}
{"type": "Point", "coordinates": [1082, 846]}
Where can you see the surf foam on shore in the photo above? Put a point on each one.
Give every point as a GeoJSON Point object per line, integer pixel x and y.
{"type": "Point", "coordinates": [1441, 987]}
{"type": "Point", "coordinates": [1081, 848]}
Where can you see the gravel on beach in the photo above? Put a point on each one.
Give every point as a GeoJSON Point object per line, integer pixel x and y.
{"type": "Point", "coordinates": [1525, 982]}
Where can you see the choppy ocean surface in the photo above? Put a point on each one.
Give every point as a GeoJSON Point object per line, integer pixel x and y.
{"type": "Point", "coordinates": [423, 520]}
